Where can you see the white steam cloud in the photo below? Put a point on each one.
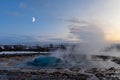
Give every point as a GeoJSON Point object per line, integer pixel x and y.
{"type": "Point", "coordinates": [91, 37]}
{"type": "Point", "coordinates": [92, 42]}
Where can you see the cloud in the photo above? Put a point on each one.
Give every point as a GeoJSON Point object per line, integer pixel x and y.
{"type": "Point", "coordinates": [13, 13]}
{"type": "Point", "coordinates": [76, 21]}
{"type": "Point", "coordinates": [17, 38]}
{"type": "Point", "coordinates": [13, 39]}
{"type": "Point", "coordinates": [23, 5]}
{"type": "Point", "coordinates": [58, 39]}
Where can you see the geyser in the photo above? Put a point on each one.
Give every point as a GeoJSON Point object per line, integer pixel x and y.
{"type": "Point", "coordinates": [46, 61]}
{"type": "Point", "coordinates": [91, 42]}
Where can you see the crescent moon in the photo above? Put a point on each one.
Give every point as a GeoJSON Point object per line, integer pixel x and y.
{"type": "Point", "coordinates": [33, 19]}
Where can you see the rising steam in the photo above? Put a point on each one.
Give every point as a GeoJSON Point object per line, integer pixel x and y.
{"type": "Point", "coordinates": [91, 37]}
{"type": "Point", "coordinates": [91, 42]}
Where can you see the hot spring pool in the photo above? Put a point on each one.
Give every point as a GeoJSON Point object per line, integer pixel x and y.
{"type": "Point", "coordinates": [45, 61]}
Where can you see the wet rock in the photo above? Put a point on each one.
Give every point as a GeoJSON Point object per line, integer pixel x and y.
{"type": "Point", "coordinates": [116, 60]}
{"type": "Point", "coordinates": [75, 69]}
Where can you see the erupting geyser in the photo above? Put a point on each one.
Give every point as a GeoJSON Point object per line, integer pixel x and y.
{"type": "Point", "coordinates": [46, 61]}
{"type": "Point", "coordinates": [91, 42]}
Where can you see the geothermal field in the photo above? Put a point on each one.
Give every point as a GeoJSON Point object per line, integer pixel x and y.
{"type": "Point", "coordinates": [68, 67]}
{"type": "Point", "coordinates": [59, 39]}
{"type": "Point", "coordinates": [93, 58]}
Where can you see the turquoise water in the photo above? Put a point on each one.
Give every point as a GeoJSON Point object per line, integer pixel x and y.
{"type": "Point", "coordinates": [46, 61]}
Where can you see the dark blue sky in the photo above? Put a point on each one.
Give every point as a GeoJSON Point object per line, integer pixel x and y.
{"type": "Point", "coordinates": [16, 16]}
{"type": "Point", "coordinates": [52, 16]}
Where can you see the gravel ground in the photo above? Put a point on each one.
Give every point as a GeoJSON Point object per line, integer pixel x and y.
{"type": "Point", "coordinates": [43, 74]}
{"type": "Point", "coordinates": [11, 73]}
{"type": "Point", "coordinates": [10, 70]}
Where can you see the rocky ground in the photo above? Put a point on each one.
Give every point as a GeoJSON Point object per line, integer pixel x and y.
{"type": "Point", "coordinates": [41, 75]}
{"type": "Point", "coordinates": [59, 74]}
{"type": "Point", "coordinates": [10, 70]}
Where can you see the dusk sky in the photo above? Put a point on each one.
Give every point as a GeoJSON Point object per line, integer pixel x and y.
{"type": "Point", "coordinates": [53, 17]}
